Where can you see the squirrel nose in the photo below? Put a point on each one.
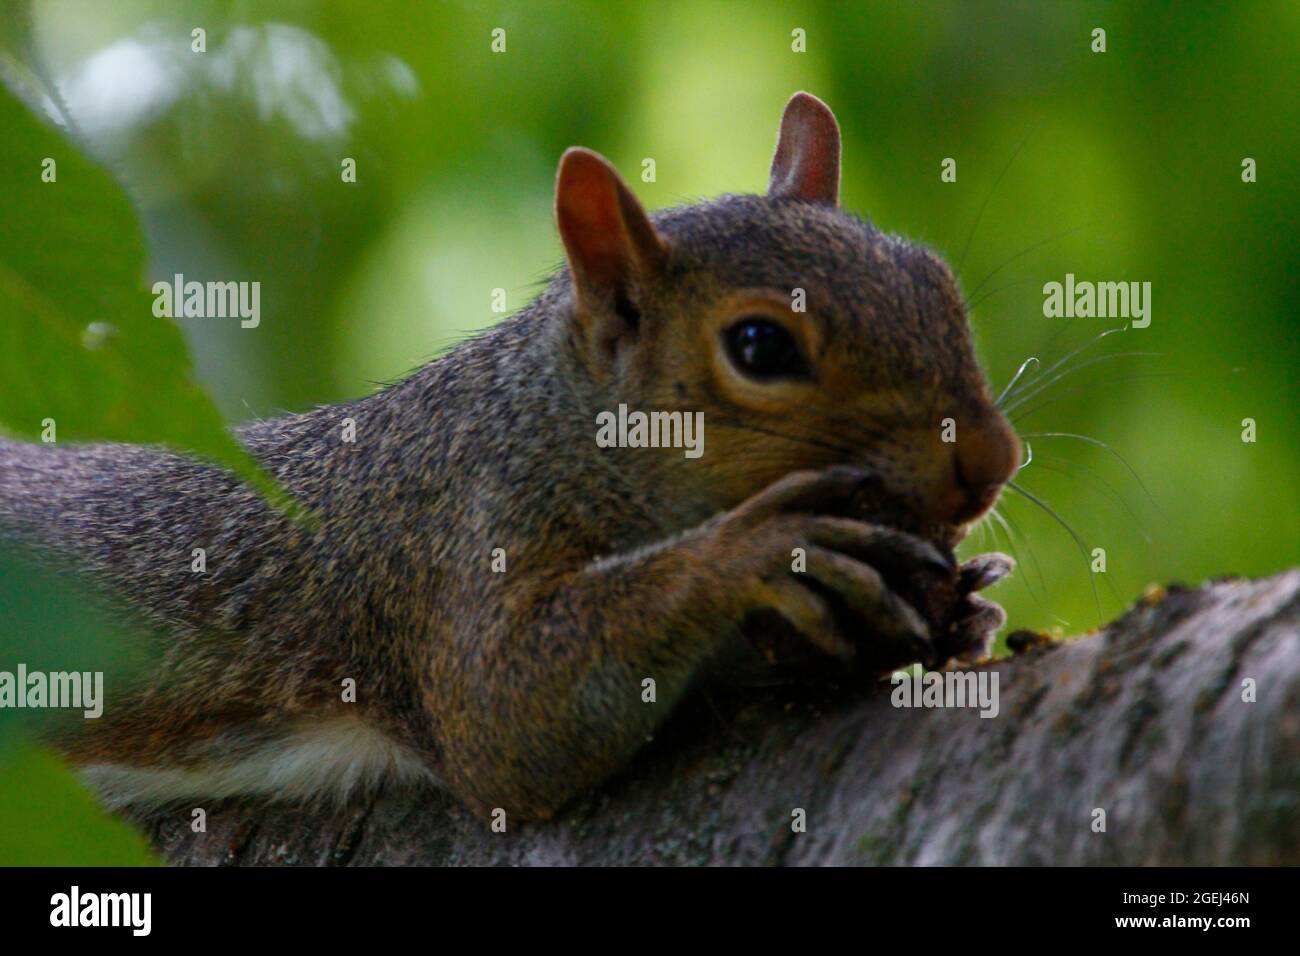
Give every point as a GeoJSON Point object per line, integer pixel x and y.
{"type": "Point", "coordinates": [985, 457]}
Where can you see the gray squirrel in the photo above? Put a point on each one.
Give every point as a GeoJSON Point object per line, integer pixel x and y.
{"type": "Point", "coordinates": [523, 688]}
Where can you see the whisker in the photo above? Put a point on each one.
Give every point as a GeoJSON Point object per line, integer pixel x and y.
{"type": "Point", "coordinates": [1083, 348]}
{"type": "Point", "coordinates": [974, 304]}
{"type": "Point", "coordinates": [1101, 444]}
{"type": "Point", "coordinates": [1024, 252]}
{"type": "Point", "coordinates": [861, 431]}
{"type": "Point", "coordinates": [1123, 379]}
{"type": "Point", "coordinates": [1064, 466]}
{"type": "Point", "coordinates": [1060, 362]}
{"type": "Point", "coordinates": [1041, 384]}
{"type": "Point", "coordinates": [1008, 527]}
{"type": "Point", "coordinates": [1054, 336]}
{"type": "Point", "coordinates": [1015, 553]}
{"type": "Point", "coordinates": [838, 449]}
{"type": "Point", "coordinates": [979, 216]}
{"type": "Point", "coordinates": [1082, 545]}
{"type": "Point", "coordinates": [1029, 459]}
{"type": "Point", "coordinates": [1090, 386]}
{"type": "Point", "coordinates": [1014, 525]}
{"type": "Point", "coordinates": [1024, 367]}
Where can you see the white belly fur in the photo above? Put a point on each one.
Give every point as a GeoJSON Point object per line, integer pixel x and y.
{"type": "Point", "coordinates": [327, 762]}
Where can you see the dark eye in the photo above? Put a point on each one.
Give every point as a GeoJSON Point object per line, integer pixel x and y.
{"type": "Point", "coordinates": [763, 349]}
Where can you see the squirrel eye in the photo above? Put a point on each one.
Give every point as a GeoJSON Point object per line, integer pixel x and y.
{"type": "Point", "coordinates": [763, 349]}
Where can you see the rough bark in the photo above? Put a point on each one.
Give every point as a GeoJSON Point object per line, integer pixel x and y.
{"type": "Point", "coordinates": [1144, 720]}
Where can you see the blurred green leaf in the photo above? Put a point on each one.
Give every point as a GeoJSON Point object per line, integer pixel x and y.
{"type": "Point", "coordinates": [79, 343]}
{"type": "Point", "coordinates": [46, 816]}
{"type": "Point", "coordinates": [50, 819]}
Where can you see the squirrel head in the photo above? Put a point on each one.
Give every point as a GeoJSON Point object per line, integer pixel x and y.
{"type": "Point", "coordinates": [805, 335]}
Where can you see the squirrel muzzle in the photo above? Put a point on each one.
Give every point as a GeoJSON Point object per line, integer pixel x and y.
{"type": "Point", "coordinates": [985, 456]}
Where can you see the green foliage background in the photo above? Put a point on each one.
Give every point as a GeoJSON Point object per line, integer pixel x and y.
{"type": "Point", "coordinates": [1123, 166]}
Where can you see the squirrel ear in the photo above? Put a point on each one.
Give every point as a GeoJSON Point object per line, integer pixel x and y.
{"type": "Point", "coordinates": [807, 160]}
{"type": "Point", "coordinates": [607, 235]}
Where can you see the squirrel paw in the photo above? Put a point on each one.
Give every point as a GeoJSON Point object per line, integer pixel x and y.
{"type": "Point", "coordinates": [827, 575]}
{"type": "Point", "coordinates": [975, 620]}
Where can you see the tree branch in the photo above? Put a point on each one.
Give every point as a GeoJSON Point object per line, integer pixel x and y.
{"type": "Point", "coordinates": [1144, 720]}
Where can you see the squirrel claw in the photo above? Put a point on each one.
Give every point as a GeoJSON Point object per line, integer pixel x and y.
{"type": "Point", "coordinates": [984, 570]}
{"type": "Point", "coordinates": [972, 634]}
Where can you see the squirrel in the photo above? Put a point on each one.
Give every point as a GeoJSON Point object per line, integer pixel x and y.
{"type": "Point", "coordinates": [498, 585]}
